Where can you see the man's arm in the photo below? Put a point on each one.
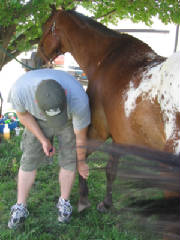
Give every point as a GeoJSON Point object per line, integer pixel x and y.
{"type": "Point", "coordinates": [81, 141]}
{"type": "Point", "coordinates": [30, 123]}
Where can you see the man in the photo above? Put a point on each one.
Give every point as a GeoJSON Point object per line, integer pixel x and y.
{"type": "Point", "coordinates": [50, 103]}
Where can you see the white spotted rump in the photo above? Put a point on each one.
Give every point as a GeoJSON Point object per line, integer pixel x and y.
{"type": "Point", "coordinates": [161, 83]}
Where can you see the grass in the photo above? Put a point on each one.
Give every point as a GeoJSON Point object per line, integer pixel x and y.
{"type": "Point", "coordinates": [117, 224]}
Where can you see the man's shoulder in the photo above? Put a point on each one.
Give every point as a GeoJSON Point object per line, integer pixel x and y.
{"type": "Point", "coordinates": [34, 77]}
{"type": "Point", "coordinates": [67, 80]}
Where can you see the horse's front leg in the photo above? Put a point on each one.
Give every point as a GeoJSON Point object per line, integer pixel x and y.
{"type": "Point", "coordinates": [83, 198]}
{"type": "Point", "coordinates": [94, 141]}
{"type": "Point", "coordinates": [83, 186]}
{"type": "Point", "coordinates": [111, 172]}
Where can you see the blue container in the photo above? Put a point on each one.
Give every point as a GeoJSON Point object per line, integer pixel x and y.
{"type": "Point", "coordinates": [11, 125]}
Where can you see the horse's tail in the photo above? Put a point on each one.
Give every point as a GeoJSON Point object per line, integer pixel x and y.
{"type": "Point", "coordinates": [158, 168]}
{"type": "Point", "coordinates": [142, 170]}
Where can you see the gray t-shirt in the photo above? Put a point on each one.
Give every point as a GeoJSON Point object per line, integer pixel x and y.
{"type": "Point", "coordinates": [22, 95]}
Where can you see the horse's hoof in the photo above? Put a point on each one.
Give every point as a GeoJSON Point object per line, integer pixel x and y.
{"type": "Point", "coordinates": [82, 205]}
{"type": "Point", "coordinates": [102, 208]}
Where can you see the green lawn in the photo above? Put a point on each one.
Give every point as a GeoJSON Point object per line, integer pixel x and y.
{"type": "Point", "coordinates": [120, 223]}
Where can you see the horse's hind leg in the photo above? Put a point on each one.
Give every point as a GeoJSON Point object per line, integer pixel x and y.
{"type": "Point", "coordinates": [111, 172]}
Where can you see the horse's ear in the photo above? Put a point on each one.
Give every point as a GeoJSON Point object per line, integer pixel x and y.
{"type": "Point", "coordinates": [53, 7]}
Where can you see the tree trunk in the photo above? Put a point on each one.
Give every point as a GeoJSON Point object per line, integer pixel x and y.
{"type": "Point", "coordinates": [6, 34]}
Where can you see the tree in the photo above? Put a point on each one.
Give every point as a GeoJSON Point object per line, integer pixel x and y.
{"type": "Point", "coordinates": [168, 11]}
{"type": "Point", "coordinates": [21, 20]}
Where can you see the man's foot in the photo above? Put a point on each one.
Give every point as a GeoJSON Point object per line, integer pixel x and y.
{"type": "Point", "coordinates": [18, 214]}
{"type": "Point", "coordinates": [65, 210]}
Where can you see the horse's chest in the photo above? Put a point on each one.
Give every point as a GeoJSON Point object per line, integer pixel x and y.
{"type": "Point", "coordinates": [159, 84]}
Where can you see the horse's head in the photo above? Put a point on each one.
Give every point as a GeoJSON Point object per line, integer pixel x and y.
{"type": "Point", "coordinates": [50, 45]}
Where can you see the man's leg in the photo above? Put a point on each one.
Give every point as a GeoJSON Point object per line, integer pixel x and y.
{"type": "Point", "coordinates": [25, 182]}
{"type": "Point", "coordinates": [66, 180]}
{"type": "Point", "coordinates": [67, 161]}
{"type": "Point", "coordinates": [19, 211]}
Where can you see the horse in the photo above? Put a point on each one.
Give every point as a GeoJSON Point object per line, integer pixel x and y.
{"type": "Point", "coordinates": [133, 92]}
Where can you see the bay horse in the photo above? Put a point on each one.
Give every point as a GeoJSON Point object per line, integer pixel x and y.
{"type": "Point", "coordinates": [133, 92]}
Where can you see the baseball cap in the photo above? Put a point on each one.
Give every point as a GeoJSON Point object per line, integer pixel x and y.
{"type": "Point", "coordinates": [51, 99]}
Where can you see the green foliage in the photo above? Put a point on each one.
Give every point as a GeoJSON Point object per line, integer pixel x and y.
{"type": "Point", "coordinates": [21, 20]}
{"type": "Point", "coordinates": [135, 10]}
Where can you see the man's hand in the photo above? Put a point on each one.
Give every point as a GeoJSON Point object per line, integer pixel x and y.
{"type": "Point", "coordinates": [29, 122]}
{"type": "Point", "coordinates": [83, 169]}
{"type": "Point", "coordinates": [49, 150]}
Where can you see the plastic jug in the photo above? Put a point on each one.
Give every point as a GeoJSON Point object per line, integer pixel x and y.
{"type": "Point", "coordinates": [6, 132]}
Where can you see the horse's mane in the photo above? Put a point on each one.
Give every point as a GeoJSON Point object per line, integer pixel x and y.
{"type": "Point", "coordinates": [85, 21]}
{"type": "Point", "coordinates": [94, 24]}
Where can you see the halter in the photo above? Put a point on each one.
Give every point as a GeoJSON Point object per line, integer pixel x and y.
{"type": "Point", "coordinates": [53, 27]}
{"type": "Point", "coordinates": [53, 32]}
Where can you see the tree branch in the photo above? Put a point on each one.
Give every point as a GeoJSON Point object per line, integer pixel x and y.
{"type": "Point", "coordinates": [10, 55]}
{"type": "Point", "coordinates": [107, 14]}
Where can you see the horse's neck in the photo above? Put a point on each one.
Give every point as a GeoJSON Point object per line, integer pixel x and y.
{"type": "Point", "coordinates": [90, 54]}
{"type": "Point", "coordinates": [89, 51]}
{"type": "Point", "coordinates": [88, 47]}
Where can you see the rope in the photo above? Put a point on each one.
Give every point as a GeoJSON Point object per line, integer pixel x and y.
{"type": "Point", "coordinates": [10, 55]}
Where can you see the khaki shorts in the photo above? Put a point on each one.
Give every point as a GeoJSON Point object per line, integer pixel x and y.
{"type": "Point", "coordinates": [33, 155]}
